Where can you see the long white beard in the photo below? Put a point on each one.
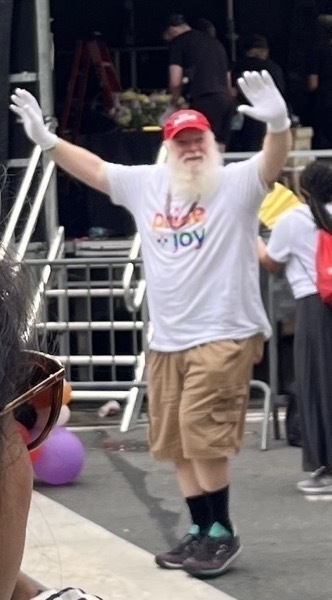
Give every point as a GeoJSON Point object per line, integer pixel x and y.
{"type": "Point", "coordinates": [190, 180]}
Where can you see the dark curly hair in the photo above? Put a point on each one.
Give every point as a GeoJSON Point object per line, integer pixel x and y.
{"type": "Point", "coordinates": [316, 187]}
{"type": "Point", "coordinates": [17, 331]}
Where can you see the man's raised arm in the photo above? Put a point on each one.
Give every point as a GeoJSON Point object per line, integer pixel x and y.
{"type": "Point", "coordinates": [78, 162]}
{"type": "Point", "coordinates": [267, 105]}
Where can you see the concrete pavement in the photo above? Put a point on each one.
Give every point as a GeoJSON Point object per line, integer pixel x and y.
{"type": "Point", "coordinates": [286, 537]}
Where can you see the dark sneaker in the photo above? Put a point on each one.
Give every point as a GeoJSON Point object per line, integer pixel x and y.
{"type": "Point", "coordinates": [214, 553]}
{"type": "Point", "coordinates": [173, 559]}
{"type": "Point", "coordinates": [319, 482]}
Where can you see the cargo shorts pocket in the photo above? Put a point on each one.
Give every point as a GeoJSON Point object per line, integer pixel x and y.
{"type": "Point", "coordinates": [228, 416]}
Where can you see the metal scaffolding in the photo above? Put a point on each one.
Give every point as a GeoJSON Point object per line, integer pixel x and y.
{"type": "Point", "coordinates": [45, 81]}
{"type": "Point", "coordinates": [42, 75]}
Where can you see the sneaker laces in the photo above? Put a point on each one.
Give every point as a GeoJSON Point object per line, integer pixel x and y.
{"type": "Point", "coordinates": [188, 542]}
{"type": "Point", "coordinates": [318, 473]}
{"type": "Point", "coordinates": [209, 546]}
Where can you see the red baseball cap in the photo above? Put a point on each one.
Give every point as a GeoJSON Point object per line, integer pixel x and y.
{"type": "Point", "coordinates": [185, 119]}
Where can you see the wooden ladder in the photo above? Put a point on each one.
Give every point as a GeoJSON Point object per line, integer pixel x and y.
{"type": "Point", "coordinates": [88, 53]}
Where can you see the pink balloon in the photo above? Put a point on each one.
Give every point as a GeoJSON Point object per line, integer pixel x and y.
{"type": "Point", "coordinates": [61, 458]}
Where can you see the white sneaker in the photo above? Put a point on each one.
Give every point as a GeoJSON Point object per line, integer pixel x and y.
{"type": "Point", "coordinates": [319, 482]}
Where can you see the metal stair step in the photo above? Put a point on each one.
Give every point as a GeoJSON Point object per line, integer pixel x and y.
{"type": "Point", "coordinates": [83, 292]}
{"type": "Point", "coordinates": [101, 247]}
{"type": "Point", "coordinates": [103, 396]}
{"type": "Point", "coordinates": [122, 360]}
{"type": "Point", "coordinates": [91, 325]}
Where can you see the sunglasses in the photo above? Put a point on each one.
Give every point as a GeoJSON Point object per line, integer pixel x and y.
{"type": "Point", "coordinates": [38, 408]}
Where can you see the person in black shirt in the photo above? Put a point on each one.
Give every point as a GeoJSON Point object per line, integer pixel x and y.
{"type": "Point", "coordinates": [250, 137]}
{"type": "Point", "coordinates": [320, 85]}
{"type": "Point", "coordinates": [202, 60]}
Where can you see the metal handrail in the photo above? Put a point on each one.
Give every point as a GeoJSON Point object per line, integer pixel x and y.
{"type": "Point", "coordinates": [36, 206]}
{"type": "Point", "coordinates": [291, 154]}
{"type": "Point", "coordinates": [80, 262]}
{"type": "Point", "coordinates": [134, 298]}
{"type": "Point", "coordinates": [91, 325]}
{"type": "Point", "coordinates": [55, 248]}
{"type": "Point", "coordinates": [20, 199]}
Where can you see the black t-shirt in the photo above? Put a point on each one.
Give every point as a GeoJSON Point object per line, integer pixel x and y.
{"type": "Point", "coordinates": [204, 62]}
{"type": "Point", "coordinates": [258, 64]}
{"type": "Point", "coordinates": [320, 63]}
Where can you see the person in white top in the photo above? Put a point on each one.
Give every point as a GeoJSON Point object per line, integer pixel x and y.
{"type": "Point", "coordinates": [198, 224]}
{"type": "Point", "coordinates": [26, 589]}
{"type": "Point", "coordinates": [292, 245]}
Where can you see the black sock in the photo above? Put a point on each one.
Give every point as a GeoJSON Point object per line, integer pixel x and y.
{"type": "Point", "coordinates": [200, 511]}
{"type": "Point", "coordinates": [218, 503]}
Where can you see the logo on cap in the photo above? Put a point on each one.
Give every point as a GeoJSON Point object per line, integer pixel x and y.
{"type": "Point", "coordinates": [183, 118]}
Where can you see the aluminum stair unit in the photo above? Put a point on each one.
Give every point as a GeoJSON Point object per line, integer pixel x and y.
{"type": "Point", "coordinates": [86, 321]}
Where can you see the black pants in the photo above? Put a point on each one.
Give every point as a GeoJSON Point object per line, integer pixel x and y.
{"type": "Point", "coordinates": [313, 375]}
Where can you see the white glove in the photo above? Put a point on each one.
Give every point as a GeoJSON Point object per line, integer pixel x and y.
{"type": "Point", "coordinates": [27, 108]}
{"type": "Point", "coordinates": [268, 104]}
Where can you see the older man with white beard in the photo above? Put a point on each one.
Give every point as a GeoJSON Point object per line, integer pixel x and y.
{"type": "Point", "coordinates": [198, 224]}
{"type": "Point", "coordinates": [193, 161]}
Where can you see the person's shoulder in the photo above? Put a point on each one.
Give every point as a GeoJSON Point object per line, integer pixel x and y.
{"type": "Point", "coordinates": [214, 44]}
{"type": "Point", "coordinates": [153, 170]}
{"type": "Point", "coordinates": [296, 215]}
{"type": "Point", "coordinates": [195, 34]}
{"type": "Point", "coordinates": [183, 38]}
{"type": "Point", "coordinates": [156, 171]}
{"type": "Point", "coordinates": [271, 65]}
{"type": "Point", "coordinates": [238, 165]}
{"type": "Point", "coordinates": [247, 63]}
{"type": "Point", "coordinates": [142, 173]}
{"type": "Point", "coordinates": [238, 68]}
{"type": "Point", "coordinates": [123, 167]}
{"type": "Point", "coordinates": [303, 212]}
{"type": "Point", "coordinates": [204, 39]}
{"type": "Point", "coordinates": [250, 63]}
{"type": "Point", "coordinates": [239, 65]}
{"type": "Point", "coordinates": [158, 168]}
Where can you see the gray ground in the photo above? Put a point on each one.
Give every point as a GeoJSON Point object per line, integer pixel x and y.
{"type": "Point", "coordinates": [286, 538]}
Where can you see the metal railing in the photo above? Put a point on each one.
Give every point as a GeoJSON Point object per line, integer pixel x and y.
{"type": "Point", "coordinates": [21, 245]}
{"type": "Point", "coordinates": [9, 233]}
{"type": "Point", "coordinates": [122, 282]}
{"type": "Point", "coordinates": [88, 325]}
{"type": "Point", "coordinates": [133, 297]}
{"type": "Point", "coordinates": [35, 206]}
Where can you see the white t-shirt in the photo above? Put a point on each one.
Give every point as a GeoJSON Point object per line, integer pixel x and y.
{"type": "Point", "coordinates": [293, 241]}
{"type": "Point", "coordinates": [203, 277]}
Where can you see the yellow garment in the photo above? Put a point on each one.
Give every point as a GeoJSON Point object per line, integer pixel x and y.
{"type": "Point", "coordinates": [276, 203]}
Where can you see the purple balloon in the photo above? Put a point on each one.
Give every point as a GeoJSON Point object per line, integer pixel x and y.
{"type": "Point", "coordinates": [61, 458]}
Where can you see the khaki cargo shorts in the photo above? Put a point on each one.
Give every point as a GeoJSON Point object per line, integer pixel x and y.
{"type": "Point", "coordinates": [197, 399]}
